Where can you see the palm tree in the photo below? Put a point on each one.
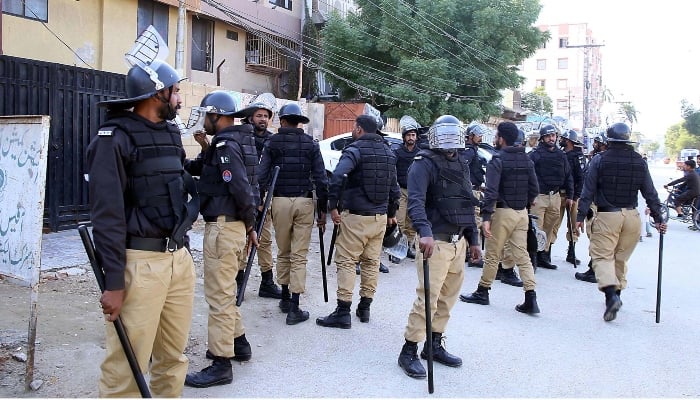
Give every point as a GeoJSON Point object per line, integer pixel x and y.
{"type": "Point", "coordinates": [630, 112]}
{"type": "Point", "coordinates": [608, 97]}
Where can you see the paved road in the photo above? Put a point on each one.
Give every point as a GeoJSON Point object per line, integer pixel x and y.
{"type": "Point", "coordinates": [566, 351]}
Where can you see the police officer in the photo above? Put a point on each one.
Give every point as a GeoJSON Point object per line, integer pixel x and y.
{"type": "Point", "coordinates": [511, 185]}
{"type": "Point", "coordinates": [259, 113]}
{"type": "Point", "coordinates": [140, 214]}
{"type": "Point", "coordinates": [574, 153]}
{"type": "Point", "coordinates": [612, 182]}
{"type": "Point", "coordinates": [404, 158]}
{"type": "Point", "coordinates": [441, 207]}
{"type": "Point", "coordinates": [301, 163]}
{"type": "Point", "coordinates": [228, 188]}
{"type": "Point", "coordinates": [600, 144]}
{"type": "Point", "coordinates": [475, 133]}
{"type": "Point", "coordinates": [553, 175]}
{"type": "Point", "coordinates": [370, 202]}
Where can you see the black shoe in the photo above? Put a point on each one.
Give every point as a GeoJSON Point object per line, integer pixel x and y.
{"type": "Point", "coordinates": [409, 361]}
{"type": "Point", "coordinates": [530, 304]}
{"type": "Point", "coordinates": [285, 305]}
{"type": "Point", "coordinates": [499, 272]}
{"type": "Point", "coordinates": [509, 277]}
{"type": "Point", "coordinates": [612, 306]}
{"type": "Point", "coordinates": [439, 353]}
{"type": "Point", "coordinates": [543, 261]}
{"type": "Point", "coordinates": [394, 260]}
{"type": "Point", "coordinates": [357, 269]}
{"type": "Point", "coordinates": [481, 296]}
{"type": "Point", "coordinates": [340, 318]}
{"type": "Point", "coordinates": [411, 254]}
{"type": "Point", "coordinates": [383, 268]}
{"type": "Point", "coordinates": [363, 309]}
{"type": "Point", "coordinates": [476, 264]}
{"type": "Point", "coordinates": [588, 276]}
{"type": "Point", "coordinates": [296, 315]}
{"type": "Point", "coordinates": [241, 349]}
{"type": "Point", "coordinates": [570, 255]}
{"type": "Point", "coordinates": [268, 288]}
{"type": "Point", "coordinates": [218, 373]}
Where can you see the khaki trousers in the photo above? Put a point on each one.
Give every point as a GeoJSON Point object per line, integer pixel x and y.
{"type": "Point", "coordinates": [157, 313]}
{"type": "Point", "coordinates": [508, 226]}
{"type": "Point", "coordinates": [614, 235]}
{"type": "Point", "coordinates": [224, 242]}
{"type": "Point", "coordinates": [572, 217]}
{"type": "Point", "coordinates": [403, 218]}
{"type": "Point", "coordinates": [446, 277]}
{"type": "Point", "coordinates": [359, 239]}
{"type": "Point", "coordinates": [293, 218]}
{"type": "Point", "coordinates": [546, 208]}
{"type": "Point", "coordinates": [264, 250]}
{"type": "Point", "coordinates": [477, 213]}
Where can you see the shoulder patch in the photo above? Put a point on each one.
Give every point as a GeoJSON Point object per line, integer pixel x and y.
{"type": "Point", "coordinates": [106, 131]}
{"type": "Point", "coordinates": [418, 157]}
{"type": "Point", "coordinates": [226, 176]}
{"type": "Point", "coordinates": [225, 159]}
{"type": "Point", "coordinates": [221, 143]}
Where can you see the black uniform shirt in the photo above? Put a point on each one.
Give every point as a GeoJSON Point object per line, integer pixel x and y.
{"type": "Point", "coordinates": [492, 194]}
{"type": "Point", "coordinates": [108, 156]}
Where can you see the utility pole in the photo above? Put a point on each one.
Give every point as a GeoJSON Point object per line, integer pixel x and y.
{"type": "Point", "coordinates": [586, 81]}
{"type": "Point", "coordinates": [180, 40]}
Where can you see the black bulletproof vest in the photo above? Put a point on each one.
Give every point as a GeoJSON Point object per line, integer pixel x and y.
{"type": "Point", "coordinates": [550, 169]}
{"type": "Point", "coordinates": [373, 173]}
{"type": "Point", "coordinates": [514, 185]}
{"type": "Point", "coordinates": [293, 151]}
{"type": "Point", "coordinates": [404, 159]}
{"type": "Point", "coordinates": [155, 169]}
{"type": "Point", "coordinates": [620, 176]}
{"type": "Point", "coordinates": [451, 195]}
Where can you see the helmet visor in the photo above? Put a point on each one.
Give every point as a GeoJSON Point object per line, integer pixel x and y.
{"type": "Point", "coordinates": [446, 136]}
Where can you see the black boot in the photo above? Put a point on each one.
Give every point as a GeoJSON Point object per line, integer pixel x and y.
{"type": "Point", "coordinates": [286, 299]}
{"type": "Point", "coordinates": [409, 362]}
{"type": "Point", "coordinates": [499, 273]}
{"type": "Point", "coordinates": [268, 288]}
{"type": "Point", "coordinates": [296, 314]}
{"type": "Point", "coordinates": [476, 264]}
{"type": "Point", "coordinates": [363, 309]}
{"type": "Point", "coordinates": [218, 373]}
{"type": "Point", "coordinates": [439, 353]}
{"type": "Point", "coordinates": [588, 276]}
{"type": "Point", "coordinates": [612, 303]}
{"type": "Point", "coordinates": [394, 260]}
{"type": "Point", "coordinates": [241, 349]}
{"type": "Point", "coordinates": [481, 296]}
{"type": "Point", "coordinates": [509, 277]}
{"type": "Point", "coordinates": [383, 268]}
{"type": "Point", "coordinates": [619, 294]}
{"type": "Point", "coordinates": [570, 255]}
{"type": "Point", "coordinates": [530, 304]}
{"type": "Point", "coordinates": [340, 318]}
{"type": "Point", "coordinates": [411, 253]}
{"type": "Point", "coordinates": [543, 262]}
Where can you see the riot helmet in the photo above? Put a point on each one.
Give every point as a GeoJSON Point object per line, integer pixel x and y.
{"type": "Point", "coordinates": [221, 102]}
{"type": "Point", "coordinates": [547, 130]}
{"type": "Point", "coordinates": [619, 132]}
{"type": "Point", "coordinates": [446, 133]}
{"type": "Point", "coordinates": [520, 140]}
{"type": "Point", "coordinates": [145, 81]}
{"type": "Point", "coordinates": [475, 128]}
{"type": "Point", "coordinates": [572, 136]}
{"type": "Point", "coordinates": [292, 113]}
{"type": "Point", "coordinates": [392, 235]}
{"type": "Point", "coordinates": [601, 139]}
{"type": "Point", "coordinates": [264, 101]}
{"type": "Point", "coordinates": [407, 124]}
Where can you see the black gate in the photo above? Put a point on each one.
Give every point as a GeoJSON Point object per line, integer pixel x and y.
{"type": "Point", "coordinates": [68, 94]}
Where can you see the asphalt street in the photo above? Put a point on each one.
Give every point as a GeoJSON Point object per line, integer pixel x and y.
{"type": "Point", "coordinates": [565, 351]}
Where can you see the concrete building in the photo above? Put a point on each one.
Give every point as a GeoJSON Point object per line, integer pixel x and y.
{"type": "Point", "coordinates": [569, 67]}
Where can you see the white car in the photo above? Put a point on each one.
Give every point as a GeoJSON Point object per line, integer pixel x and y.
{"type": "Point", "coordinates": [332, 147]}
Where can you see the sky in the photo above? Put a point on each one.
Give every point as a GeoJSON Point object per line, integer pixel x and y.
{"type": "Point", "coordinates": [651, 55]}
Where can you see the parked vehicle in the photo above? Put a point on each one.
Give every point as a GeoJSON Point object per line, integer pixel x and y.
{"type": "Point", "coordinates": [686, 154]}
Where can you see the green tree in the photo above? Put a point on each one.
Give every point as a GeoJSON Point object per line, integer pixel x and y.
{"type": "Point", "coordinates": [677, 138]}
{"type": "Point", "coordinates": [537, 101]}
{"type": "Point", "coordinates": [630, 112]}
{"type": "Point", "coordinates": [691, 117]}
{"type": "Point", "coordinates": [425, 58]}
{"type": "Point", "coordinates": [651, 148]}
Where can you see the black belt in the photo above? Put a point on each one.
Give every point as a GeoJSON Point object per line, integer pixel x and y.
{"type": "Point", "coordinates": [551, 192]}
{"type": "Point", "coordinates": [214, 218]}
{"type": "Point", "coordinates": [309, 195]}
{"type": "Point", "coordinates": [614, 209]}
{"type": "Point", "coordinates": [151, 244]}
{"type": "Point", "coordinates": [446, 237]}
{"type": "Point", "coordinates": [501, 205]}
{"type": "Point", "coordinates": [365, 213]}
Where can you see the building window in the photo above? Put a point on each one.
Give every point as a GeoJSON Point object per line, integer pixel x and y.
{"type": "Point", "coordinates": [562, 83]}
{"type": "Point", "coordinates": [32, 9]}
{"type": "Point", "coordinates": [541, 64]}
{"type": "Point", "coordinates": [202, 44]}
{"type": "Point", "coordinates": [562, 104]}
{"type": "Point", "coordinates": [563, 63]}
{"type": "Point", "coordinates": [282, 3]}
{"type": "Point", "coordinates": [563, 42]}
{"type": "Point", "coordinates": [152, 13]}
{"type": "Point", "coordinates": [233, 35]}
{"type": "Point", "coordinates": [264, 56]}
{"type": "Point", "coordinates": [539, 83]}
